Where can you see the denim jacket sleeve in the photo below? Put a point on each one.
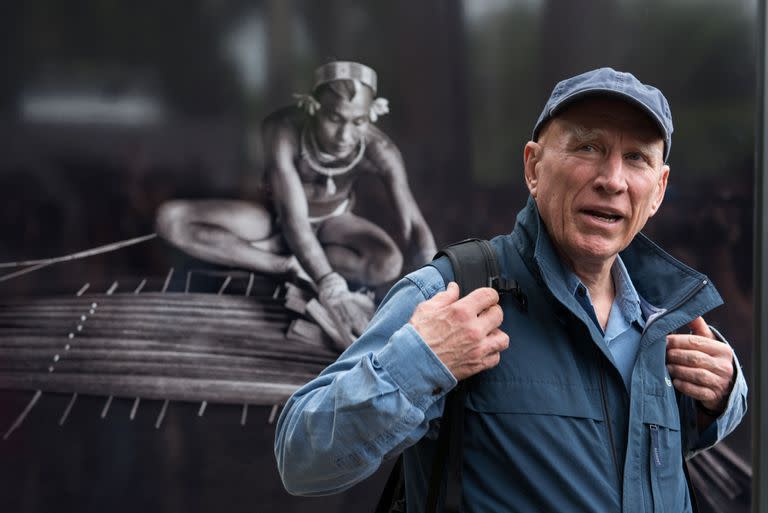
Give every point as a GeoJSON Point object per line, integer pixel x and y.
{"type": "Point", "coordinates": [377, 399]}
{"type": "Point", "coordinates": [727, 421]}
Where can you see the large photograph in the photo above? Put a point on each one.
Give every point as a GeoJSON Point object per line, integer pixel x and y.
{"type": "Point", "coordinates": [205, 203]}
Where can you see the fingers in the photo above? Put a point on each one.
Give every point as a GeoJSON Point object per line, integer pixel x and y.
{"type": "Point", "coordinates": [446, 297]}
{"type": "Point", "coordinates": [491, 317]}
{"type": "Point", "coordinates": [489, 349]}
{"type": "Point", "coordinates": [700, 377]}
{"type": "Point", "coordinates": [463, 333]}
{"type": "Point", "coordinates": [480, 299]}
{"type": "Point", "coordinates": [701, 393]}
{"type": "Point", "coordinates": [697, 343]}
{"type": "Point", "coordinates": [700, 327]}
{"type": "Point", "coordinates": [498, 341]}
{"type": "Point", "coordinates": [719, 364]}
{"type": "Point", "coordinates": [700, 366]}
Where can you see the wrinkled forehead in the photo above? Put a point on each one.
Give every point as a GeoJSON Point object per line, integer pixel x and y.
{"type": "Point", "coordinates": [605, 114]}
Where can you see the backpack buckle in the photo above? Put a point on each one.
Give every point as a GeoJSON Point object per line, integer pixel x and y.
{"type": "Point", "coordinates": [505, 287]}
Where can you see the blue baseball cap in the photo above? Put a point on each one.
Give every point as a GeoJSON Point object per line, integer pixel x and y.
{"type": "Point", "coordinates": [609, 82]}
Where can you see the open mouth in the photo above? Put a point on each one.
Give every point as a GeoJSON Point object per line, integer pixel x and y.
{"type": "Point", "coordinates": [603, 216]}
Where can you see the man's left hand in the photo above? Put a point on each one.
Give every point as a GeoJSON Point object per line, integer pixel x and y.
{"type": "Point", "coordinates": [701, 366]}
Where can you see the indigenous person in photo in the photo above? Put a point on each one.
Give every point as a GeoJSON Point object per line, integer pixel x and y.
{"type": "Point", "coordinates": [315, 151]}
{"type": "Point", "coordinates": [587, 399]}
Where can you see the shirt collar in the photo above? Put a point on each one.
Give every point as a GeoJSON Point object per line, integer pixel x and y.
{"type": "Point", "coordinates": [627, 299]}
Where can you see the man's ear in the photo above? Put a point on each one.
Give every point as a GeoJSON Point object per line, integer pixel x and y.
{"type": "Point", "coordinates": [531, 156]}
{"type": "Point", "coordinates": [661, 188]}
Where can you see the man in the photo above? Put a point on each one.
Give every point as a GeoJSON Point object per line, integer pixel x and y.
{"type": "Point", "coordinates": [571, 402]}
{"type": "Point", "coordinates": [315, 151]}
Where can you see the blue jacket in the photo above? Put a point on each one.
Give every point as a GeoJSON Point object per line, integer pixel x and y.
{"type": "Point", "coordinates": [551, 428]}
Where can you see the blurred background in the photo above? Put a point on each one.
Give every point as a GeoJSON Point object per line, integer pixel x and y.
{"type": "Point", "coordinates": [108, 108]}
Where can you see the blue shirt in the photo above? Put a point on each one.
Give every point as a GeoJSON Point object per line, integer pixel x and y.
{"type": "Point", "coordinates": [625, 321]}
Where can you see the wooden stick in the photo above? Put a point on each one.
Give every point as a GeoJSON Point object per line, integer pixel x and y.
{"type": "Point", "coordinates": [107, 404]}
{"type": "Point", "coordinates": [250, 285]}
{"type": "Point", "coordinates": [23, 414]}
{"type": "Point", "coordinates": [134, 408]}
{"type": "Point", "coordinates": [71, 403]}
{"type": "Point", "coordinates": [161, 416]}
{"type": "Point", "coordinates": [224, 285]}
{"type": "Point", "coordinates": [167, 280]}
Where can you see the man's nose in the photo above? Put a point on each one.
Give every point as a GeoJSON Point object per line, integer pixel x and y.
{"type": "Point", "coordinates": [345, 134]}
{"type": "Point", "coordinates": [612, 174]}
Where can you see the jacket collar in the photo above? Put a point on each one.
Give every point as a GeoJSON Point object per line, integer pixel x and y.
{"type": "Point", "coordinates": [661, 280]}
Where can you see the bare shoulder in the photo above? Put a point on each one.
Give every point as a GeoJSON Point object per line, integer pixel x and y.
{"type": "Point", "coordinates": [381, 152]}
{"type": "Point", "coordinates": [377, 139]}
{"type": "Point", "coordinates": [281, 132]}
{"type": "Point", "coordinates": [285, 122]}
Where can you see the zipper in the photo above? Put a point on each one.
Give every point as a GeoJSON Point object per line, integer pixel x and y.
{"type": "Point", "coordinates": [655, 444]}
{"type": "Point", "coordinates": [694, 291]}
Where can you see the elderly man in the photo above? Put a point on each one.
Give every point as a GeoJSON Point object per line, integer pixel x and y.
{"type": "Point", "coordinates": [586, 400]}
{"type": "Point", "coordinates": [315, 152]}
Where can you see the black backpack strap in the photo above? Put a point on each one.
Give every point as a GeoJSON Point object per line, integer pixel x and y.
{"type": "Point", "coordinates": [472, 264]}
{"type": "Point", "coordinates": [392, 498]}
{"type": "Point", "coordinates": [450, 446]}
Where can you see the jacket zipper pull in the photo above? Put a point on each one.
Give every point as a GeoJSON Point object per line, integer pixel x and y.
{"type": "Point", "coordinates": [655, 444]}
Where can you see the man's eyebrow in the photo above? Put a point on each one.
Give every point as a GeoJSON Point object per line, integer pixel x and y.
{"type": "Point", "coordinates": [583, 134]}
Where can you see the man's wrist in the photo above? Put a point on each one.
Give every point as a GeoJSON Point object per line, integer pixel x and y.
{"type": "Point", "coordinates": [322, 277]}
{"type": "Point", "coordinates": [331, 283]}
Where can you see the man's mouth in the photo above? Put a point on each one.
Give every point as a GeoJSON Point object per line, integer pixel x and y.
{"type": "Point", "coordinates": [607, 217]}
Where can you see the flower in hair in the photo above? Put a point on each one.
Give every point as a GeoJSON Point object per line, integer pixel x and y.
{"type": "Point", "coordinates": [379, 107]}
{"type": "Point", "coordinates": [307, 103]}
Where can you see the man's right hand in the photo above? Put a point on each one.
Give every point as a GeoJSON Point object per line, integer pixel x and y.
{"type": "Point", "coordinates": [464, 333]}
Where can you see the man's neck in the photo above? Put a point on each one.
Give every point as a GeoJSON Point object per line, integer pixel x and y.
{"type": "Point", "coordinates": [599, 282]}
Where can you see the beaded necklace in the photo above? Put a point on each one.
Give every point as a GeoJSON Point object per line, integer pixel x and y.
{"type": "Point", "coordinates": [312, 155]}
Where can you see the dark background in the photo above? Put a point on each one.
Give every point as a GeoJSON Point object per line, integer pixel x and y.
{"type": "Point", "coordinates": [108, 108]}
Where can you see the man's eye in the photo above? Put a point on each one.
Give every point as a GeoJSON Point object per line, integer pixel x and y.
{"type": "Point", "coordinates": [588, 148]}
{"type": "Point", "coordinates": [635, 156]}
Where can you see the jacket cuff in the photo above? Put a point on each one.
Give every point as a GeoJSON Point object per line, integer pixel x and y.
{"type": "Point", "coordinates": [415, 368]}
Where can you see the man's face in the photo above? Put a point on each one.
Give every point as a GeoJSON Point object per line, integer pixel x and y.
{"type": "Point", "coordinates": [597, 174]}
{"type": "Point", "coordinates": [340, 123]}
